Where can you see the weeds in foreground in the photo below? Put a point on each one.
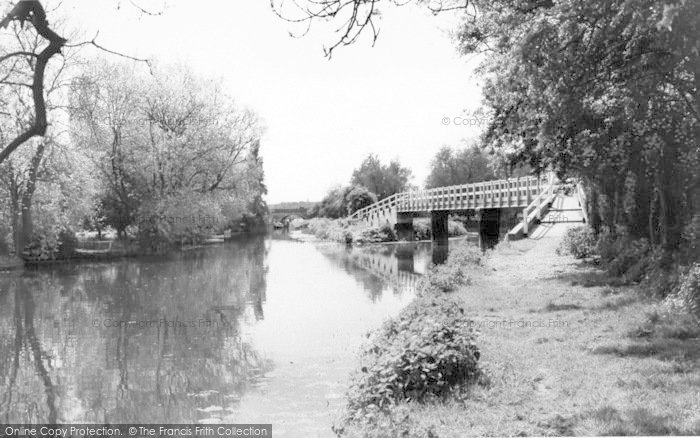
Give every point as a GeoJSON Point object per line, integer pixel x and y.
{"type": "Point", "coordinates": [635, 422]}
{"type": "Point", "coordinates": [454, 273]}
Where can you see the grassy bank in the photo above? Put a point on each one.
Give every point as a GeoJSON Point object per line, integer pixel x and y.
{"type": "Point", "coordinates": [350, 231]}
{"type": "Point", "coordinates": [565, 348]}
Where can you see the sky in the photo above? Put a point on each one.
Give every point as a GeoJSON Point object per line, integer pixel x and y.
{"type": "Point", "coordinates": [322, 117]}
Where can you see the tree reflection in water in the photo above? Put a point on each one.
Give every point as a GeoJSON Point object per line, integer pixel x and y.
{"type": "Point", "coordinates": [133, 341]}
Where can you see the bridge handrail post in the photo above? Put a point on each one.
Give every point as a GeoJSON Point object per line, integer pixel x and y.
{"type": "Point", "coordinates": [581, 194]}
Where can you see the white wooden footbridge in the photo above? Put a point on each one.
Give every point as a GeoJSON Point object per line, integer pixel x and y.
{"type": "Point", "coordinates": [534, 195]}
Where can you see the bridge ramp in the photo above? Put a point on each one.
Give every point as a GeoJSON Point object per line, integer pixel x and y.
{"type": "Point", "coordinates": [564, 213]}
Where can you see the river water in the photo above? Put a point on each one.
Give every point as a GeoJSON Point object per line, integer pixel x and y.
{"type": "Point", "coordinates": [264, 330]}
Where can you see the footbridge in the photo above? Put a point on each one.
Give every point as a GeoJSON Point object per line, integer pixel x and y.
{"type": "Point", "coordinates": [533, 194]}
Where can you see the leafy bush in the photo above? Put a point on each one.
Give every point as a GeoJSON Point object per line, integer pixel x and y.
{"type": "Point", "coordinates": [342, 201]}
{"type": "Point", "coordinates": [42, 247]}
{"type": "Point", "coordinates": [385, 233]}
{"type": "Point", "coordinates": [621, 254]}
{"type": "Point", "coordinates": [422, 230]}
{"type": "Point", "coordinates": [299, 224]}
{"type": "Point", "coordinates": [455, 228]}
{"type": "Point", "coordinates": [686, 298]}
{"type": "Point", "coordinates": [187, 217]}
{"type": "Point", "coordinates": [465, 254]}
{"type": "Point", "coordinates": [579, 242]}
{"type": "Point", "coordinates": [427, 350]}
{"type": "Point", "coordinates": [67, 243]}
{"type": "Point", "coordinates": [453, 274]}
{"type": "Point", "coordinates": [358, 197]}
{"type": "Point", "coordinates": [444, 278]}
{"type": "Point", "coordinates": [348, 237]}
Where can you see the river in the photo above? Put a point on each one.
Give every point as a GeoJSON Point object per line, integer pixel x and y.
{"type": "Point", "coordinates": [262, 330]}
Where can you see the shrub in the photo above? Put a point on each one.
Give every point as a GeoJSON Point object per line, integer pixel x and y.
{"type": "Point", "coordinates": [348, 237]}
{"type": "Point", "coordinates": [453, 273]}
{"type": "Point", "coordinates": [455, 228]}
{"type": "Point", "coordinates": [184, 217]}
{"type": "Point", "coordinates": [427, 350]}
{"type": "Point", "coordinates": [67, 243]}
{"type": "Point", "coordinates": [465, 254]}
{"type": "Point", "coordinates": [357, 197]}
{"type": "Point", "coordinates": [621, 254]}
{"type": "Point", "coordinates": [579, 242]}
{"type": "Point", "coordinates": [385, 233]}
{"type": "Point", "coordinates": [686, 297]}
{"type": "Point", "coordinates": [42, 247]}
{"type": "Point", "coordinates": [422, 230]}
{"type": "Point", "coordinates": [299, 224]}
{"type": "Point", "coordinates": [444, 278]}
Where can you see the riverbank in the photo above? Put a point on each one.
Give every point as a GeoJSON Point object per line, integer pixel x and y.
{"type": "Point", "coordinates": [116, 250]}
{"type": "Point", "coordinates": [353, 231]}
{"type": "Point", "coordinates": [563, 353]}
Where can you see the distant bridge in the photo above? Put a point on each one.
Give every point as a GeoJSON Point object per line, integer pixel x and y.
{"type": "Point", "coordinates": [285, 215]}
{"type": "Point", "coordinates": [533, 194]}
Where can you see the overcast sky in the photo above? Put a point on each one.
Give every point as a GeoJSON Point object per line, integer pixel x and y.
{"type": "Point", "coordinates": [322, 116]}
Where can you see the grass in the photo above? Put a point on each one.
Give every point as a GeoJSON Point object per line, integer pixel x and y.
{"type": "Point", "coordinates": [604, 361]}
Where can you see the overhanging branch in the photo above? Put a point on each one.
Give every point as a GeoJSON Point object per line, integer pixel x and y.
{"type": "Point", "coordinates": [32, 11]}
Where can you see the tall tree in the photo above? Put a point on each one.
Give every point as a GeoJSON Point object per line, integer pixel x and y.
{"type": "Point", "coordinates": [22, 172]}
{"type": "Point", "coordinates": [382, 180]}
{"type": "Point", "coordinates": [167, 142]}
{"type": "Point", "coordinates": [26, 66]}
{"type": "Point", "coordinates": [452, 167]}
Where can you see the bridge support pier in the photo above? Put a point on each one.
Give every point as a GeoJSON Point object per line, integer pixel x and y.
{"type": "Point", "coordinates": [404, 227]}
{"type": "Point", "coordinates": [438, 226]}
{"type": "Point", "coordinates": [490, 226]}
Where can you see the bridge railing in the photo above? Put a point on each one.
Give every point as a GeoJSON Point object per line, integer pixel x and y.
{"type": "Point", "coordinates": [94, 245]}
{"type": "Point", "coordinates": [514, 192]}
{"type": "Point", "coordinates": [581, 196]}
{"type": "Point", "coordinates": [388, 202]}
{"type": "Point", "coordinates": [537, 205]}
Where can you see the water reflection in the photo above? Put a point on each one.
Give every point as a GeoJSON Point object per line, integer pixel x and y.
{"type": "Point", "coordinates": [257, 331]}
{"type": "Point", "coordinates": [136, 341]}
{"type": "Point", "coordinates": [374, 266]}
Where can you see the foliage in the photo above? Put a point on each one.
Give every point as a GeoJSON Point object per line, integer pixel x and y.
{"type": "Point", "coordinates": [579, 242]}
{"type": "Point", "coordinates": [184, 217]}
{"type": "Point", "coordinates": [422, 229]}
{"type": "Point", "coordinates": [359, 197]}
{"type": "Point", "coordinates": [383, 180]}
{"type": "Point", "coordinates": [164, 137]}
{"type": "Point", "coordinates": [452, 274]}
{"type": "Point", "coordinates": [451, 167]}
{"type": "Point", "coordinates": [256, 211]}
{"type": "Point", "coordinates": [686, 298]}
{"type": "Point", "coordinates": [384, 233]}
{"type": "Point", "coordinates": [620, 254]}
{"type": "Point", "coordinates": [445, 278]}
{"type": "Point", "coordinates": [345, 231]}
{"type": "Point", "coordinates": [601, 90]}
{"type": "Point", "coordinates": [42, 247]}
{"type": "Point", "coordinates": [427, 350]}
{"type": "Point", "coordinates": [343, 201]}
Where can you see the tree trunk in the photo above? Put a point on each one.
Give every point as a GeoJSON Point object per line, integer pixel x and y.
{"type": "Point", "coordinates": [27, 222]}
{"type": "Point", "coordinates": [593, 213]}
{"type": "Point", "coordinates": [15, 213]}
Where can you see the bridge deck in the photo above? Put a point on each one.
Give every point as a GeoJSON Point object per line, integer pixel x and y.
{"type": "Point", "coordinates": [506, 193]}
